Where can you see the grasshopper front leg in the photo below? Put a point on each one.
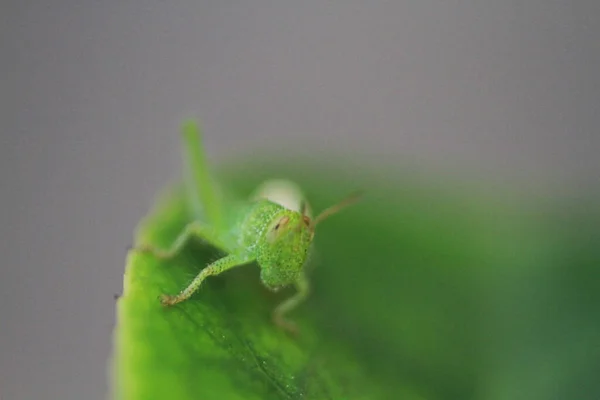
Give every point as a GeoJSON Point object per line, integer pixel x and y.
{"type": "Point", "coordinates": [215, 268]}
{"type": "Point", "coordinates": [303, 289]}
{"type": "Point", "coordinates": [194, 229]}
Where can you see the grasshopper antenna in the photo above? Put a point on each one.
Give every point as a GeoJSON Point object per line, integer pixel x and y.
{"type": "Point", "coordinates": [303, 207]}
{"type": "Point", "coordinates": [349, 200]}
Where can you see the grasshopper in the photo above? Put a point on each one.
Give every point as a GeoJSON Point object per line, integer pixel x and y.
{"type": "Point", "coordinates": [272, 230]}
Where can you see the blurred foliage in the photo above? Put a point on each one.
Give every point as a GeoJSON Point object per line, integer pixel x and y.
{"type": "Point", "coordinates": [422, 291]}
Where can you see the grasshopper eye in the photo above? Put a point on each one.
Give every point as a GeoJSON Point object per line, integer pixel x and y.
{"type": "Point", "coordinates": [281, 223]}
{"type": "Point", "coordinates": [275, 230]}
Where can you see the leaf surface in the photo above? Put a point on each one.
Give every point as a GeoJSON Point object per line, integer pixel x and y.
{"type": "Point", "coordinates": [412, 296]}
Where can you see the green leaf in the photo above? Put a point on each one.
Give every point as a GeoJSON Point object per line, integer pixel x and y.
{"type": "Point", "coordinates": [411, 296]}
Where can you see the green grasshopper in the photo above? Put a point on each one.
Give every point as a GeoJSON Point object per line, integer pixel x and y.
{"type": "Point", "coordinates": [264, 230]}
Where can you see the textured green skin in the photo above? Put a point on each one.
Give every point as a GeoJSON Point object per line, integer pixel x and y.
{"type": "Point", "coordinates": [276, 238]}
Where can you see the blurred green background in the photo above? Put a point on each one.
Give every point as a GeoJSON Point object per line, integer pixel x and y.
{"type": "Point", "coordinates": [464, 290]}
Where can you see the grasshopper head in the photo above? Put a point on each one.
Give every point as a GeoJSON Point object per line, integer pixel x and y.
{"type": "Point", "coordinates": [284, 248]}
{"type": "Point", "coordinates": [286, 242]}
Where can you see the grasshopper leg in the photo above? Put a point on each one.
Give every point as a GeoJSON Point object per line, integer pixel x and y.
{"type": "Point", "coordinates": [215, 268]}
{"type": "Point", "coordinates": [193, 229]}
{"type": "Point", "coordinates": [303, 288]}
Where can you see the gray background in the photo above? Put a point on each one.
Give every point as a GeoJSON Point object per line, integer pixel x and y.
{"type": "Point", "coordinates": [92, 92]}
